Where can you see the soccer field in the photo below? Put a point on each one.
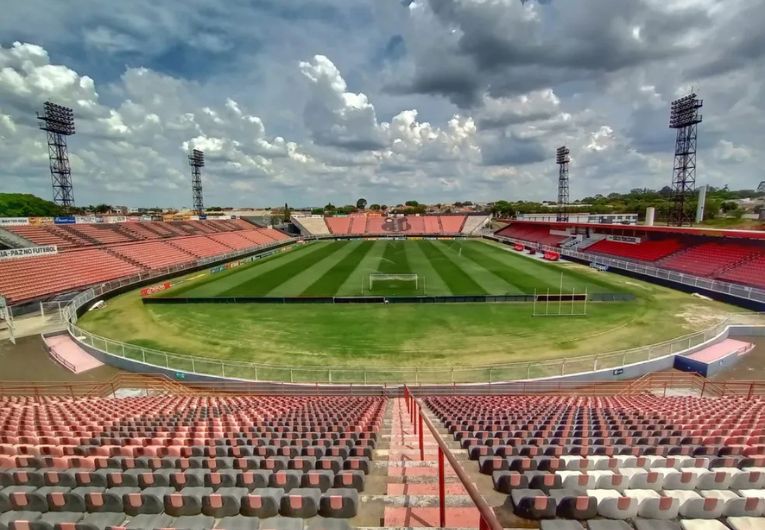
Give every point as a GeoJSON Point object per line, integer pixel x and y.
{"type": "Point", "coordinates": [436, 268]}
{"type": "Point", "coordinates": [389, 337]}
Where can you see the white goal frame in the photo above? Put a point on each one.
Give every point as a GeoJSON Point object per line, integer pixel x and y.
{"type": "Point", "coordinates": [383, 277]}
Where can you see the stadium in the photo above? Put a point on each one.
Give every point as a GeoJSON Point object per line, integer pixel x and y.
{"type": "Point", "coordinates": [561, 365]}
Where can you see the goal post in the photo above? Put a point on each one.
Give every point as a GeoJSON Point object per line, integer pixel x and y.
{"type": "Point", "coordinates": [377, 277]}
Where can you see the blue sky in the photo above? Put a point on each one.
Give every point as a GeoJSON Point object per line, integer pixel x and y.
{"type": "Point", "coordinates": [434, 100]}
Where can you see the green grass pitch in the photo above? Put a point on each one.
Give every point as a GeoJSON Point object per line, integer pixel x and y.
{"type": "Point", "coordinates": [388, 337]}
{"type": "Point", "coordinates": [443, 267]}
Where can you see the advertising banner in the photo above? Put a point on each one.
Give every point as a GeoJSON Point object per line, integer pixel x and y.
{"type": "Point", "coordinates": [64, 220]}
{"type": "Point", "coordinates": [39, 221]}
{"type": "Point", "coordinates": [16, 253]}
{"type": "Point", "coordinates": [623, 239]}
{"type": "Point", "coordinates": [13, 221]}
{"type": "Point", "coordinates": [146, 291]}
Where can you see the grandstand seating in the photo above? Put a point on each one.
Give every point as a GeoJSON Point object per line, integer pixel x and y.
{"type": "Point", "coordinates": [184, 462]}
{"type": "Point", "coordinates": [154, 254]}
{"type": "Point", "coordinates": [431, 225]}
{"type": "Point", "coordinates": [363, 224]}
{"type": "Point", "coordinates": [749, 273]}
{"type": "Point", "coordinates": [156, 248]}
{"type": "Point", "coordinates": [200, 246]}
{"type": "Point", "coordinates": [314, 224]}
{"type": "Point", "coordinates": [417, 224]}
{"type": "Point", "coordinates": [473, 223]}
{"type": "Point", "coordinates": [375, 224]}
{"type": "Point", "coordinates": [646, 250]}
{"type": "Point", "coordinates": [83, 235]}
{"type": "Point", "coordinates": [232, 240]}
{"type": "Point", "coordinates": [42, 235]}
{"type": "Point", "coordinates": [29, 278]}
{"type": "Point", "coordinates": [533, 233]}
{"type": "Point", "coordinates": [639, 458]}
{"type": "Point", "coordinates": [710, 259]}
{"type": "Point", "coordinates": [451, 224]}
{"type": "Point", "coordinates": [339, 225]}
{"type": "Point", "coordinates": [358, 224]}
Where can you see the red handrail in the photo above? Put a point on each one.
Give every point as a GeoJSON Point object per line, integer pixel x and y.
{"type": "Point", "coordinates": [488, 520]}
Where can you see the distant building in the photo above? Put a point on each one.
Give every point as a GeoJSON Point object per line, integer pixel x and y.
{"type": "Point", "coordinates": [597, 218]}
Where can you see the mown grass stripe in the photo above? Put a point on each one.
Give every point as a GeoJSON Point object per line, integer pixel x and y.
{"type": "Point", "coordinates": [490, 282]}
{"type": "Point", "coordinates": [263, 284]}
{"type": "Point", "coordinates": [214, 284]}
{"type": "Point", "coordinates": [513, 276]}
{"type": "Point", "coordinates": [360, 275]}
{"type": "Point", "coordinates": [331, 281]}
{"type": "Point", "coordinates": [395, 261]}
{"type": "Point", "coordinates": [433, 284]}
{"type": "Point", "coordinates": [299, 282]}
{"type": "Point", "coordinates": [454, 277]}
{"type": "Point", "coordinates": [530, 274]}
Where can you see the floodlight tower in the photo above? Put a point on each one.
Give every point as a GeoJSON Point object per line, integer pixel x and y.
{"type": "Point", "coordinates": [562, 159]}
{"type": "Point", "coordinates": [197, 161]}
{"type": "Point", "coordinates": [684, 117]}
{"type": "Point", "coordinates": [58, 122]}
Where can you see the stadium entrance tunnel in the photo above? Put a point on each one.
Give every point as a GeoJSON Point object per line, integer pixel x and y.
{"type": "Point", "coordinates": [463, 299]}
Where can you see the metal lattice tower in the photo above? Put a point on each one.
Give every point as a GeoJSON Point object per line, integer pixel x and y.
{"type": "Point", "coordinates": [58, 122]}
{"type": "Point", "coordinates": [684, 117]}
{"type": "Point", "coordinates": [197, 161]}
{"type": "Point", "coordinates": [562, 159]}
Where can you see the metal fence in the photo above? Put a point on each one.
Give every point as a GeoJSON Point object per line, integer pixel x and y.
{"type": "Point", "coordinates": [343, 375]}
{"type": "Point", "coordinates": [732, 289]}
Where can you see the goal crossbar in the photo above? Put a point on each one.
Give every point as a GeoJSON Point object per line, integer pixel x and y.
{"type": "Point", "coordinates": [385, 277]}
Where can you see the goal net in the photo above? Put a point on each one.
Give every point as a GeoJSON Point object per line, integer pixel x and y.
{"type": "Point", "coordinates": [377, 278]}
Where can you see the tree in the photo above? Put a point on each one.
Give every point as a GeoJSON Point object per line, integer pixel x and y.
{"type": "Point", "coordinates": [101, 208]}
{"type": "Point", "coordinates": [411, 203]}
{"type": "Point", "coordinates": [286, 212]}
{"type": "Point", "coordinates": [361, 204]}
{"type": "Point", "coordinates": [27, 205]}
{"type": "Point", "coordinates": [374, 207]}
{"type": "Point", "coordinates": [317, 211]}
{"type": "Point", "coordinates": [330, 207]}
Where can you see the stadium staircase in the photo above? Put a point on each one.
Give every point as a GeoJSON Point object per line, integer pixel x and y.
{"type": "Point", "coordinates": [122, 256]}
{"type": "Point", "coordinates": [412, 493]}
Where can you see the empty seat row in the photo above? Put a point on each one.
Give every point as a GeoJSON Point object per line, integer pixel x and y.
{"type": "Point", "coordinates": [192, 500]}
{"type": "Point", "coordinates": [323, 474]}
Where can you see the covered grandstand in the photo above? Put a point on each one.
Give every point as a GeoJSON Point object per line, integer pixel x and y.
{"type": "Point", "coordinates": [363, 224]}
{"type": "Point", "coordinates": [727, 255]}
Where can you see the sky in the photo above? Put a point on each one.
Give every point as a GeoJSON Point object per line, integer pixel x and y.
{"type": "Point", "coordinates": [309, 102]}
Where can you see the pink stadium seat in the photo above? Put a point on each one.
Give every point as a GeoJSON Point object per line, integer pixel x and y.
{"type": "Point", "coordinates": [432, 225]}
{"type": "Point", "coordinates": [154, 254]}
{"type": "Point", "coordinates": [451, 224]}
{"type": "Point", "coordinates": [339, 225]}
{"type": "Point", "coordinates": [200, 246]}
{"type": "Point", "coordinates": [30, 278]}
{"type": "Point", "coordinates": [358, 224]}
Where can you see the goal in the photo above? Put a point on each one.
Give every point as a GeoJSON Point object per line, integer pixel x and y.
{"type": "Point", "coordinates": [377, 277]}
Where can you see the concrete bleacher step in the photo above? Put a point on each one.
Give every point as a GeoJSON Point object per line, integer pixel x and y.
{"type": "Point", "coordinates": [412, 488]}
